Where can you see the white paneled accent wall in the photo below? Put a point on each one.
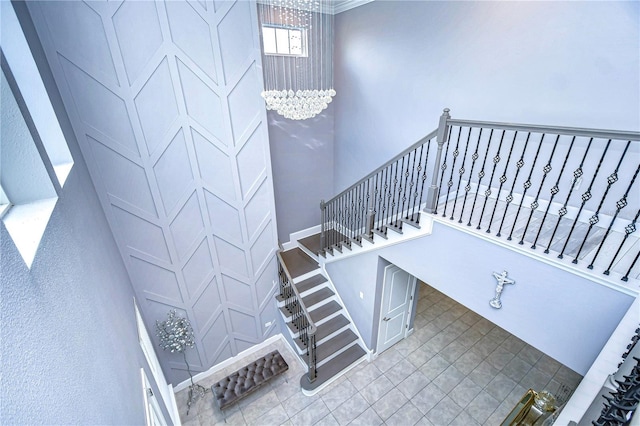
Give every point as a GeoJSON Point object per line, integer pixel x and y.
{"type": "Point", "coordinates": [164, 98]}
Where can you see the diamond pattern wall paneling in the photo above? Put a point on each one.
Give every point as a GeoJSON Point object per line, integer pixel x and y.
{"type": "Point", "coordinates": [164, 98]}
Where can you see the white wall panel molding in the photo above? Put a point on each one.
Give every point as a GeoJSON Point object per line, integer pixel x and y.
{"type": "Point", "coordinates": [164, 98]}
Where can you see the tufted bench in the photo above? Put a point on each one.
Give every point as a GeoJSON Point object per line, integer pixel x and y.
{"type": "Point", "coordinates": [237, 385]}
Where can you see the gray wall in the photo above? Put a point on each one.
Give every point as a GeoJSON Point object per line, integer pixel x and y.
{"type": "Point", "coordinates": [164, 99]}
{"type": "Point", "coordinates": [460, 265]}
{"type": "Point", "coordinates": [69, 343]}
{"type": "Point", "coordinates": [302, 160]}
{"type": "Point", "coordinates": [398, 64]}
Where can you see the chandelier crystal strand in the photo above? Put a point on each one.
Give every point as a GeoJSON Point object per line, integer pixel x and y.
{"type": "Point", "coordinates": [296, 86]}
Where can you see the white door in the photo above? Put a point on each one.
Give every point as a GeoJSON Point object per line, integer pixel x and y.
{"type": "Point", "coordinates": [397, 296]}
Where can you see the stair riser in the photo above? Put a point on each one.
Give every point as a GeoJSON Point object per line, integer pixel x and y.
{"type": "Point", "coordinates": [334, 355]}
{"type": "Point", "coordinates": [308, 252]}
{"type": "Point", "coordinates": [306, 276]}
{"type": "Point", "coordinates": [314, 289]}
{"type": "Point", "coordinates": [329, 337]}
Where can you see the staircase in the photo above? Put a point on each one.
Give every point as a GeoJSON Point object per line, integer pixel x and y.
{"type": "Point", "coordinates": [565, 196]}
{"type": "Point", "coordinates": [318, 324]}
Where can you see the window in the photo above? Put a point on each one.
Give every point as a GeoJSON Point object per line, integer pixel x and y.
{"type": "Point", "coordinates": [34, 157]}
{"type": "Point", "coordinates": [284, 41]}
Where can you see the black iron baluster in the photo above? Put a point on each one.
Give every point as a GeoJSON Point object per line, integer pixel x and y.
{"type": "Point", "coordinates": [461, 173]}
{"type": "Point", "coordinates": [577, 174]}
{"type": "Point", "coordinates": [392, 194]}
{"type": "Point", "coordinates": [509, 197]}
{"type": "Point", "coordinates": [628, 230]}
{"type": "Point", "coordinates": [383, 216]}
{"type": "Point", "coordinates": [417, 194]}
{"type": "Point", "coordinates": [443, 167]}
{"type": "Point", "coordinates": [481, 175]}
{"type": "Point", "coordinates": [352, 215]}
{"type": "Point", "coordinates": [381, 198]}
{"type": "Point", "coordinates": [546, 169]}
{"type": "Point", "coordinates": [620, 204]}
{"type": "Point", "coordinates": [502, 180]}
{"type": "Point", "coordinates": [412, 185]}
{"type": "Point", "coordinates": [526, 185]}
{"type": "Point", "coordinates": [358, 219]}
{"type": "Point", "coordinates": [467, 188]}
{"type": "Point", "coordinates": [611, 179]}
{"type": "Point", "coordinates": [397, 195]}
{"type": "Point", "coordinates": [554, 190]}
{"type": "Point", "coordinates": [424, 179]}
{"type": "Point", "coordinates": [626, 276]}
{"type": "Point", "coordinates": [487, 193]}
{"type": "Point", "coordinates": [406, 186]}
{"type": "Point", "coordinates": [455, 154]}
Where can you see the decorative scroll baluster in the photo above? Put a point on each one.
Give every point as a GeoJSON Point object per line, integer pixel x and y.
{"type": "Point", "coordinates": [526, 185]}
{"type": "Point", "coordinates": [611, 179]}
{"type": "Point", "coordinates": [313, 372]}
{"type": "Point", "coordinates": [383, 201]}
{"type": "Point", "coordinates": [443, 167]}
{"type": "Point", "coordinates": [410, 188]}
{"type": "Point", "coordinates": [620, 204]}
{"type": "Point", "coordinates": [397, 224]}
{"type": "Point", "coordinates": [405, 188]}
{"type": "Point", "coordinates": [628, 230]}
{"type": "Point", "coordinates": [424, 179]}
{"type": "Point", "coordinates": [509, 198]}
{"type": "Point", "coordinates": [381, 197]}
{"type": "Point", "coordinates": [481, 175]}
{"type": "Point", "coordinates": [467, 187]}
{"type": "Point", "coordinates": [554, 190]}
{"type": "Point", "coordinates": [455, 154]}
{"type": "Point", "coordinates": [502, 180]}
{"type": "Point", "coordinates": [392, 193]}
{"type": "Point", "coordinates": [487, 193]}
{"type": "Point", "coordinates": [635, 259]}
{"type": "Point", "coordinates": [461, 173]}
{"type": "Point", "coordinates": [546, 169]}
{"type": "Point", "coordinates": [577, 174]}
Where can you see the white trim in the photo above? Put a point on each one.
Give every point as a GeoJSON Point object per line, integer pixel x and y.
{"type": "Point", "coordinates": [166, 390]}
{"type": "Point", "coordinates": [227, 362]}
{"type": "Point", "coordinates": [153, 412]}
{"type": "Point", "coordinates": [630, 288]}
{"type": "Point", "coordinates": [295, 236]}
{"type": "Point", "coordinates": [340, 6]}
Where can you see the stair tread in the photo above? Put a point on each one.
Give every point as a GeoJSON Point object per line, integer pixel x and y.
{"type": "Point", "coordinates": [317, 296]}
{"type": "Point", "coordinates": [310, 283]}
{"type": "Point", "coordinates": [312, 243]}
{"type": "Point", "coordinates": [328, 371]}
{"type": "Point", "coordinates": [324, 311]}
{"type": "Point", "coordinates": [298, 262]}
{"type": "Point", "coordinates": [327, 328]}
{"type": "Point", "coordinates": [333, 345]}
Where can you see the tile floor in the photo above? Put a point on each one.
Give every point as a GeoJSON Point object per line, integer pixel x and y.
{"type": "Point", "coordinates": [457, 368]}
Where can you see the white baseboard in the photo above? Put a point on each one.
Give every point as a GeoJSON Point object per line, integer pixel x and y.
{"type": "Point", "coordinates": [295, 236]}
{"type": "Point", "coordinates": [227, 362]}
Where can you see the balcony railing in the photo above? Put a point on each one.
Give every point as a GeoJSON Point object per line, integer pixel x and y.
{"type": "Point", "coordinates": [569, 192]}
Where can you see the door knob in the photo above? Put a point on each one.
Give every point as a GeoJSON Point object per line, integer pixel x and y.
{"type": "Point", "coordinates": [386, 319]}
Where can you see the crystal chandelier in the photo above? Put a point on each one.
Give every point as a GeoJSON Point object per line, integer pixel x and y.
{"type": "Point", "coordinates": [297, 40]}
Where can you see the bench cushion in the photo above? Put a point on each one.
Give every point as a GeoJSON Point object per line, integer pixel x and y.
{"type": "Point", "coordinates": [241, 383]}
